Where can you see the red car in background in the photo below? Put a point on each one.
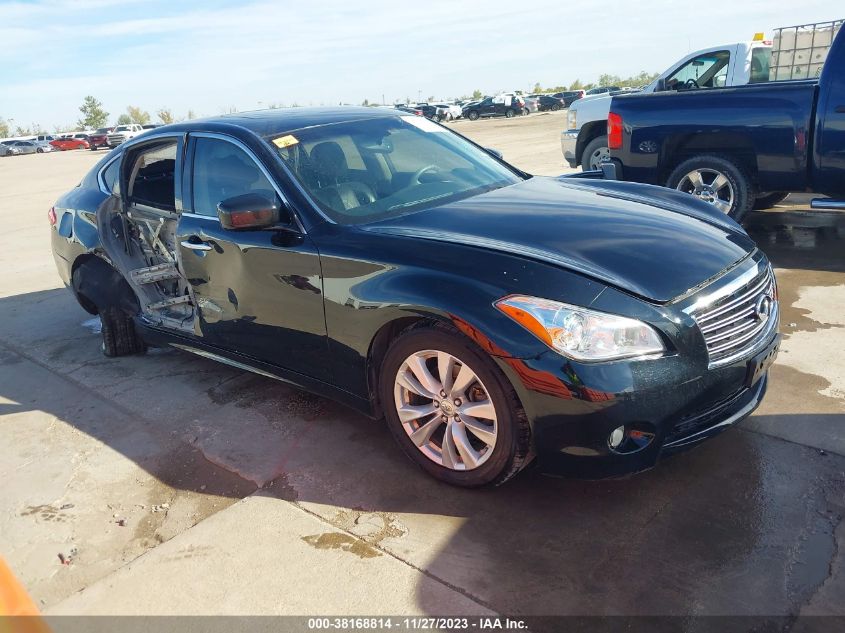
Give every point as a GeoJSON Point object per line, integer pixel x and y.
{"type": "Point", "coordinates": [100, 138]}
{"type": "Point", "coordinates": [70, 143]}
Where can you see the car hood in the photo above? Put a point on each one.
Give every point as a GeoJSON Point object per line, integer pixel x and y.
{"type": "Point", "coordinates": [649, 241]}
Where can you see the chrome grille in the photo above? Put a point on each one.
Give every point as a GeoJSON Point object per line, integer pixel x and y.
{"type": "Point", "coordinates": [735, 324]}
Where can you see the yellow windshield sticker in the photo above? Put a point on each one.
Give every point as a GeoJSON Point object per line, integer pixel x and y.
{"type": "Point", "coordinates": [285, 141]}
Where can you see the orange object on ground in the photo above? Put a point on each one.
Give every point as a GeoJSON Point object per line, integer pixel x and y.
{"type": "Point", "coordinates": [14, 601]}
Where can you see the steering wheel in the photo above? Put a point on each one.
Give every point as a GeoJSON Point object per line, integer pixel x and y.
{"type": "Point", "coordinates": [691, 83]}
{"type": "Point", "coordinates": [415, 179]}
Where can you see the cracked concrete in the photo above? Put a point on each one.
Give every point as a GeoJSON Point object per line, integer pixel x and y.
{"type": "Point", "coordinates": [169, 470]}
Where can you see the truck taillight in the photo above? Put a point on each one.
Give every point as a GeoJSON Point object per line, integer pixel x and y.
{"type": "Point", "coordinates": [614, 131]}
{"type": "Point", "coordinates": [51, 216]}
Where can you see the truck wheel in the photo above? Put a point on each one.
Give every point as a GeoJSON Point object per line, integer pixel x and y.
{"type": "Point", "coordinates": [119, 335]}
{"type": "Point", "coordinates": [768, 200]}
{"type": "Point", "coordinates": [473, 115]}
{"type": "Point", "coordinates": [717, 180]}
{"type": "Point", "coordinates": [555, 108]}
{"type": "Point", "coordinates": [595, 154]}
{"type": "Point", "coordinates": [510, 114]}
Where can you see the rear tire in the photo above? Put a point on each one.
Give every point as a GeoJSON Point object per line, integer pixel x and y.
{"type": "Point", "coordinates": [473, 115]}
{"type": "Point", "coordinates": [510, 451]}
{"type": "Point", "coordinates": [555, 108]}
{"type": "Point", "coordinates": [594, 154]}
{"type": "Point", "coordinates": [119, 335]}
{"type": "Point", "coordinates": [510, 114]}
{"type": "Point", "coordinates": [737, 179]}
{"type": "Point", "coordinates": [768, 200]}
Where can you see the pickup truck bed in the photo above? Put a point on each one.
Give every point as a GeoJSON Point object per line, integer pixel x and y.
{"type": "Point", "coordinates": [734, 146]}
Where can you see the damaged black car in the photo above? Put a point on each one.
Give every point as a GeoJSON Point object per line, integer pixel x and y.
{"type": "Point", "coordinates": [491, 317]}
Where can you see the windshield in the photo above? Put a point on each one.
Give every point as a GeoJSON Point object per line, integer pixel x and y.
{"type": "Point", "coordinates": [363, 171]}
{"type": "Point", "coordinates": [122, 128]}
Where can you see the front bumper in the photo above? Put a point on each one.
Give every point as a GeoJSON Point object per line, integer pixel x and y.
{"type": "Point", "coordinates": [668, 404]}
{"type": "Point", "coordinates": [568, 144]}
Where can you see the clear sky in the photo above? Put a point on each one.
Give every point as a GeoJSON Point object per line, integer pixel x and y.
{"type": "Point", "coordinates": [210, 55]}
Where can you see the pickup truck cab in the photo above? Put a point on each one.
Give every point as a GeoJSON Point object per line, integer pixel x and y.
{"type": "Point", "coordinates": [123, 133]}
{"type": "Point", "coordinates": [584, 141]}
{"type": "Point", "coordinates": [733, 147]}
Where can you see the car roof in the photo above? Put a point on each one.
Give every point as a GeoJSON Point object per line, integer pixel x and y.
{"type": "Point", "coordinates": [276, 121]}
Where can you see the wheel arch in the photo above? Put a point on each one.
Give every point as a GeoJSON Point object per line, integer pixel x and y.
{"type": "Point", "coordinates": [589, 131]}
{"type": "Point", "coordinates": [97, 285]}
{"type": "Point", "coordinates": [733, 146]}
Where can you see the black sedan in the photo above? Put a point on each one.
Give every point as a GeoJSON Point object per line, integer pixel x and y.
{"type": "Point", "coordinates": [548, 102]}
{"type": "Point", "coordinates": [382, 260]}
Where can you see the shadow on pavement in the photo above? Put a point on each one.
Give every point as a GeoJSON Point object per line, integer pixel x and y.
{"type": "Point", "coordinates": [741, 525]}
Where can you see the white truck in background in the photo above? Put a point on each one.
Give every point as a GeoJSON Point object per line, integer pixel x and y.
{"type": "Point", "coordinates": [584, 141]}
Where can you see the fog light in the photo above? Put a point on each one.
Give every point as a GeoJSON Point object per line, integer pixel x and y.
{"type": "Point", "coordinates": [616, 437]}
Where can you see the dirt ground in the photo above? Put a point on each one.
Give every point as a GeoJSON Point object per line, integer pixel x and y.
{"type": "Point", "coordinates": [170, 484]}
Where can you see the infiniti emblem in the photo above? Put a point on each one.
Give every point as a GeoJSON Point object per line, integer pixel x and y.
{"type": "Point", "coordinates": [763, 308]}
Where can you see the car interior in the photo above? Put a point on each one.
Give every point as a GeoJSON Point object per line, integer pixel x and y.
{"type": "Point", "coordinates": [355, 176]}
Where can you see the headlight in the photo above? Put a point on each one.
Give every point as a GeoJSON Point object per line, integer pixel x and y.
{"type": "Point", "coordinates": [579, 333]}
{"type": "Point", "coordinates": [572, 119]}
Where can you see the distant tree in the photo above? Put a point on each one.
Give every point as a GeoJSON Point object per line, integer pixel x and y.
{"type": "Point", "coordinates": [93, 115]}
{"type": "Point", "coordinates": [477, 94]}
{"type": "Point", "coordinates": [365, 102]}
{"type": "Point", "coordinates": [191, 115]}
{"type": "Point", "coordinates": [606, 80]}
{"type": "Point", "coordinates": [137, 115]}
{"type": "Point", "coordinates": [538, 87]}
{"type": "Point", "coordinates": [22, 131]}
{"type": "Point", "coordinates": [576, 85]}
{"type": "Point", "coordinates": [4, 128]}
{"type": "Point", "coordinates": [124, 119]}
{"type": "Point", "coordinates": [430, 99]}
{"type": "Point", "coordinates": [165, 115]}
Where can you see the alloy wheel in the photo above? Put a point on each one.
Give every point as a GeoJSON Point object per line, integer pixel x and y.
{"type": "Point", "coordinates": [598, 157]}
{"type": "Point", "coordinates": [711, 186]}
{"type": "Point", "coordinates": [446, 410]}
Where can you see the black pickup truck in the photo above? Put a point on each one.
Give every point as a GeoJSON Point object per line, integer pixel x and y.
{"type": "Point", "coordinates": [742, 147]}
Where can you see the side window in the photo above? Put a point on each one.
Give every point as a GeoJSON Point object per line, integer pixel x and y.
{"type": "Point", "coordinates": [701, 71]}
{"type": "Point", "coordinates": [152, 177]}
{"type": "Point", "coordinates": [111, 177]}
{"type": "Point", "coordinates": [761, 59]}
{"type": "Point", "coordinates": [223, 170]}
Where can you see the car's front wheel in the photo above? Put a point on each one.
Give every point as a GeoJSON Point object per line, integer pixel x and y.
{"type": "Point", "coordinates": [451, 410]}
{"type": "Point", "coordinates": [595, 154]}
{"type": "Point", "coordinates": [473, 115]}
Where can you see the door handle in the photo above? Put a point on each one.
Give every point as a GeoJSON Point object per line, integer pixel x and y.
{"type": "Point", "coordinates": [196, 246]}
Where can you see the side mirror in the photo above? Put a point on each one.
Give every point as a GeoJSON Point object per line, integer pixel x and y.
{"type": "Point", "coordinates": [248, 211]}
{"type": "Point", "coordinates": [661, 85]}
{"type": "Point", "coordinates": [494, 152]}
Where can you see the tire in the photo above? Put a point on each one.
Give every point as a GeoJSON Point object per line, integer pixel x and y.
{"type": "Point", "coordinates": [768, 200]}
{"type": "Point", "coordinates": [473, 115]}
{"type": "Point", "coordinates": [710, 167]}
{"type": "Point", "coordinates": [39, 151]}
{"type": "Point", "coordinates": [510, 113]}
{"type": "Point", "coordinates": [93, 148]}
{"type": "Point", "coordinates": [510, 450]}
{"type": "Point", "coordinates": [595, 151]}
{"type": "Point", "coordinates": [119, 335]}
{"type": "Point", "coordinates": [555, 108]}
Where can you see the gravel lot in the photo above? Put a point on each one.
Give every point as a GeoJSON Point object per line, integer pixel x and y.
{"type": "Point", "coordinates": [169, 471]}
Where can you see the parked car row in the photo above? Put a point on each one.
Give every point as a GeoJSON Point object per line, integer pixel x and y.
{"type": "Point", "coordinates": [109, 137]}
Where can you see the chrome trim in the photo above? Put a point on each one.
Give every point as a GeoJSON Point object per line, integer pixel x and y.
{"type": "Point", "coordinates": [225, 361]}
{"type": "Point", "coordinates": [709, 323]}
{"type": "Point", "coordinates": [825, 203]}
